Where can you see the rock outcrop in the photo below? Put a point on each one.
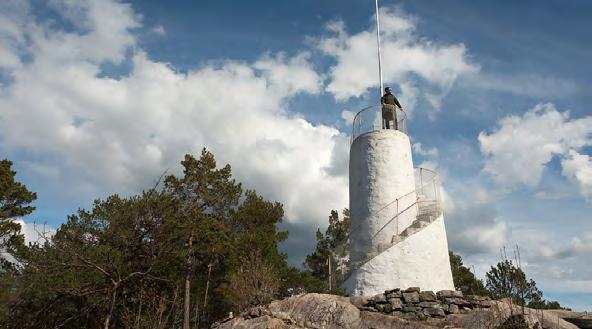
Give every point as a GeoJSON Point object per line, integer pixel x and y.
{"type": "Point", "coordinates": [414, 309]}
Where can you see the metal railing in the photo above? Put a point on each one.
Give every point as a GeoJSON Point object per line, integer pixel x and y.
{"type": "Point", "coordinates": [370, 119]}
{"type": "Point", "coordinates": [427, 184]}
{"type": "Point", "coordinates": [428, 202]}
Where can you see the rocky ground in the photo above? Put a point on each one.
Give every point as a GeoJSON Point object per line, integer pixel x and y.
{"type": "Point", "coordinates": [410, 309]}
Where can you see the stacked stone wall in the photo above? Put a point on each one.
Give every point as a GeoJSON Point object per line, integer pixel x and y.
{"type": "Point", "coordinates": [414, 304]}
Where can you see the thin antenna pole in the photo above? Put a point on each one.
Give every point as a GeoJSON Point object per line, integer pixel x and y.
{"type": "Point", "coordinates": [379, 54]}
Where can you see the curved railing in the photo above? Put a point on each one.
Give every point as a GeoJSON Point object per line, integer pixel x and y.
{"type": "Point", "coordinates": [370, 119]}
{"type": "Point", "coordinates": [428, 206]}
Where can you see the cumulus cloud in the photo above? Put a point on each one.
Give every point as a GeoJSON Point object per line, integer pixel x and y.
{"type": "Point", "coordinates": [418, 149]}
{"type": "Point", "coordinates": [577, 246]}
{"type": "Point", "coordinates": [34, 232]}
{"type": "Point", "coordinates": [12, 23]}
{"type": "Point", "coordinates": [97, 134]}
{"type": "Point", "coordinates": [473, 225]}
{"type": "Point", "coordinates": [518, 150]}
{"type": "Point", "coordinates": [290, 76]}
{"type": "Point", "coordinates": [475, 228]}
{"type": "Point", "coordinates": [578, 168]}
{"type": "Point", "coordinates": [404, 55]}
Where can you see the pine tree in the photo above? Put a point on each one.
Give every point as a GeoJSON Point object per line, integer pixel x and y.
{"type": "Point", "coordinates": [208, 197]}
{"type": "Point", "coordinates": [331, 252]}
{"type": "Point", "coordinates": [506, 280]}
{"type": "Point", "coordinates": [464, 279]}
{"type": "Point", "coordinates": [15, 200]}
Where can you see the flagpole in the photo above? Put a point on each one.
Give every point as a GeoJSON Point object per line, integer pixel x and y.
{"type": "Point", "coordinates": [379, 54]}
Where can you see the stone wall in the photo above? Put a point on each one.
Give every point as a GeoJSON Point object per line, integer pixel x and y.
{"type": "Point", "coordinates": [414, 304]}
{"type": "Point", "coordinates": [394, 309]}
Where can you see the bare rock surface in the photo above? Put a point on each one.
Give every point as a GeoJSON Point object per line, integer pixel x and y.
{"type": "Point", "coordinates": [320, 311]}
{"type": "Point", "coordinates": [316, 311]}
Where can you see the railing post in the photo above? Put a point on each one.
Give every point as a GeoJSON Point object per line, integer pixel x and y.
{"type": "Point", "coordinates": [397, 214]}
{"type": "Point", "coordinates": [434, 181]}
{"type": "Point", "coordinates": [421, 179]}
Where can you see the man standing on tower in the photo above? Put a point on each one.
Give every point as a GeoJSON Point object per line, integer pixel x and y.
{"type": "Point", "coordinates": [389, 110]}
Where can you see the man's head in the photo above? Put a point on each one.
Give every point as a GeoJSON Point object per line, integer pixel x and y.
{"type": "Point", "coordinates": [388, 90]}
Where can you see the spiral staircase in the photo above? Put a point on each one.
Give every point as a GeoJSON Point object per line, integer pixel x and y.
{"type": "Point", "coordinates": [429, 209]}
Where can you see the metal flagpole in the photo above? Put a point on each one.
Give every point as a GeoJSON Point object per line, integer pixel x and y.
{"type": "Point", "coordinates": [379, 55]}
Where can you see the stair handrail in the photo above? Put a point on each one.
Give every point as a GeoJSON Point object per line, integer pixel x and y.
{"type": "Point", "coordinates": [396, 200]}
{"type": "Point", "coordinates": [431, 181]}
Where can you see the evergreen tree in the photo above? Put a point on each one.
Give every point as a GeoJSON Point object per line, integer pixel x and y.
{"type": "Point", "coordinates": [15, 200]}
{"type": "Point", "coordinates": [508, 281]}
{"type": "Point", "coordinates": [255, 276]}
{"type": "Point", "coordinates": [131, 262]}
{"type": "Point", "coordinates": [113, 266]}
{"type": "Point", "coordinates": [208, 197]}
{"type": "Point", "coordinates": [464, 279]}
{"type": "Point", "coordinates": [331, 252]}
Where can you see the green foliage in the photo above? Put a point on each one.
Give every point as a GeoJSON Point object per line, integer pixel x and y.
{"type": "Point", "coordinates": [180, 256]}
{"type": "Point", "coordinates": [331, 247]}
{"type": "Point", "coordinates": [100, 263]}
{"type": "Point", "coordinates": [296, 281]}
{"type": "Point", "coordinates": [506, 280]}
{"type": "Point", "coordinates": [464, 279]}
{"type": "Point", "coordinates": [15, 200]}
{"type": "Point", "coordinates": [129, 262]}
{"type": "Point", "coordinates": [546, 305]}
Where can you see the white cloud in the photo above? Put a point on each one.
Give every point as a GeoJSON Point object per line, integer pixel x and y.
{"type": "Point", "coordinates": [104, 32]}
{"type": "Point", "coordinates": [290, 76]}
{"type": "Point", "coordinates": [472, 222]}
{"type": "Point", "coordinates": [520, 148]}
{"type": "Point", "coordinates": [348, 116]}
{"type": "Point", "coordinates": [35, 233]}
{"type": "Point", "coordinates": [418, 149]}
{"type": "Point", "coordinates": [475, 228]}
{"type": "Point", "coordinates": [577, 246]}
{"type": "Point", "coordinates": [404, 55]}
{"type": "Point", "coordinates": [98, 135]}
{"type": "Point", "coordinates": [578, 167]}
{"type": "Point", "coordinates": [12, 24]}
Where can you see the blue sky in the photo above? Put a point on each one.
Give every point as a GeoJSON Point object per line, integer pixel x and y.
{"type": "Point", "coordinates": [100, 97]}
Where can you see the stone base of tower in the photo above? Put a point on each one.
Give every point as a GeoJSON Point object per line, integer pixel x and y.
{"type": "Point", "coordinates": [421, 260]}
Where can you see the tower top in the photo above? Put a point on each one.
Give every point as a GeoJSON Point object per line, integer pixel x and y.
{"type": "Point", "coordinates": [372, 118]}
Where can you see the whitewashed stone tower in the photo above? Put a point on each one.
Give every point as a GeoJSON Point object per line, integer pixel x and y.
{"type": "Point", "coordinates": [397, 235]}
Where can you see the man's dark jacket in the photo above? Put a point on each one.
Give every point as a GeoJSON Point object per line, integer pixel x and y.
{"type": "Point", "coordinates": [390, 99]}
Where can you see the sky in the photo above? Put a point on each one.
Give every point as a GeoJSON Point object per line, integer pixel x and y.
{"type": "Point", "coordinates": [99, 97]}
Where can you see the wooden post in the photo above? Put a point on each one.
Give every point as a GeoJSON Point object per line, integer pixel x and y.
{"type": "Point", "coordinates": [329, 262]}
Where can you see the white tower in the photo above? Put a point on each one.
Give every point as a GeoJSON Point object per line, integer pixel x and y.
{"type": "Point", "coordinates": [397, 235]}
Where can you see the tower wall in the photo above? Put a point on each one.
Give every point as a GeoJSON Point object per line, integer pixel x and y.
{"type": "Point", "coordinates": [419, 261]}
{"type": "Point", "coordinates": [380, 171]}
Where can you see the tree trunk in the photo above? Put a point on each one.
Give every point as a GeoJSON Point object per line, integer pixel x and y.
{"type": "Point", "coordinates": [107, 323]}
{"type": "Point", "coordinates": [187, 298]}
{"type": "Point", "coordinates": [205, 303]}
{"type": "Point", "coordinates": [139, 315]}
{"type": "Point", "coordinates": [196, 315]}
